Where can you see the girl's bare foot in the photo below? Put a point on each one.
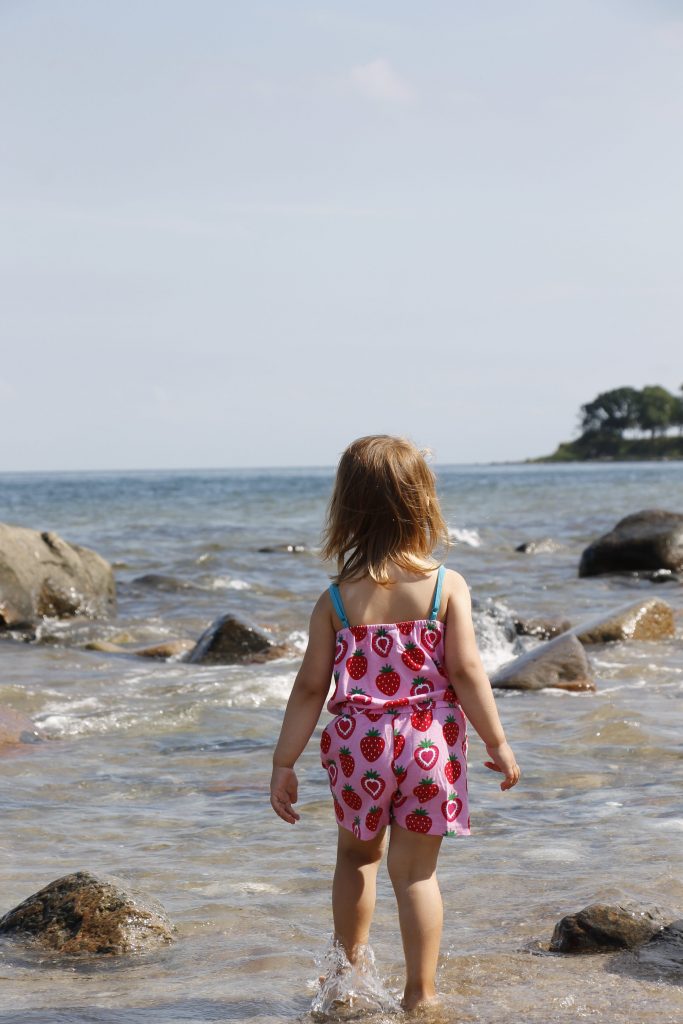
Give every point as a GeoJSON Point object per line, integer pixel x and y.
{"type": "Point", "coordinates": [418, 1000]}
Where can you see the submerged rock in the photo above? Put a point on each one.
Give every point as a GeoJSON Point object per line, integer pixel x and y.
{"type": "Point", "coordinates": [162, 651]}
{"type": "Point", "coordinates": [559, 664]}
{"type": "Point", "coordinates": [605, 927]}
{"type": "Point", "coordinates": [161, 581]}
{"type": "Point", "coordinates": [637, 620]}
{"type": "Point", "coordinates": [43, 575]}
{"type": "Point", "coordinates": [165, 650]}
{"type": "Point", "coordinates": [228, 641]}
{"type": "Point", "coordinates": [538, 547]}
{"type": "Point", "coordinates": [80, 913]}
{"type": "Point", "coordinates": [285, 549]}
{"type": "Point", "coordinates": [105, 646]}
{"type": "Point", "coordinates": [17, 728]}
{"type": "Point", "coordinates": [647, 540]}
{"type": "Point", "coordinates": [544, 629]}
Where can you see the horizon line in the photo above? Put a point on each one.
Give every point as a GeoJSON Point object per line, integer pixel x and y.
{"type": "Point", "coordinates": [224, 469]}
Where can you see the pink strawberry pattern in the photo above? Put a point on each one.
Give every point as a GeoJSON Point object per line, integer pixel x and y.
{"type": "Point", "coordinates": [395, 750]}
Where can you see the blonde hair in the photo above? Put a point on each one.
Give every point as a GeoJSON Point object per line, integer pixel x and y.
{"type": "Point", "coordinates": [383, 510]}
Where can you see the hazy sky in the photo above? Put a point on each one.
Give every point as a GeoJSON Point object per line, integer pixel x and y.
{"type": "Point", "coordinates": [239, 234]}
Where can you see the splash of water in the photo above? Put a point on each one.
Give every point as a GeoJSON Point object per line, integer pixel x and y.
{"type": "Point", "coordinates": [463, 535]}
{"type": "Point", "coordinates": [345, 990]}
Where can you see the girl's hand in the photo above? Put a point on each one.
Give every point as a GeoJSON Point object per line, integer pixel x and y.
{"type": "Point", "coordinates": [503, 760]}
{"type": "Point", "coordinates": [283, 793]}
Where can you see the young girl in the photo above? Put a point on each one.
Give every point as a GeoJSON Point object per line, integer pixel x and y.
{"type": "Point", "coordinates": [396, 630]}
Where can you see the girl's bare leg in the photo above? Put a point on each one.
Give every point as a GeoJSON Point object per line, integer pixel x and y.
{"type": "Point", "coordinates": [354, 889]}
{"type": "Point", "coordinates": [412, 868]}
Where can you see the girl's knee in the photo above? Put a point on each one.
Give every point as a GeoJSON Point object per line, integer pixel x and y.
{"type": "Point", "coordinates": [359, 852]}
{"type": "Point", "coordinates": [411, 858]}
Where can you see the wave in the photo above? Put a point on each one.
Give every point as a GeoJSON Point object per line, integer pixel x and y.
{"type": "Point", "coordinates": [463, 535]}
{"type": "Point", "coordinates": [496, 634]}
{"type": "Point", "coordinates": [228, 583]}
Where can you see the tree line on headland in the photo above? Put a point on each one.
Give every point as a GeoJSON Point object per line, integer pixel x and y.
{"type": "Point", "coordinates": [627, 423]}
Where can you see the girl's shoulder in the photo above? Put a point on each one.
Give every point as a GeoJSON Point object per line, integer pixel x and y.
{"type": "Point", "coordinates": [454, 580]}
{"type": "Point", "coordinates": [456, 591]}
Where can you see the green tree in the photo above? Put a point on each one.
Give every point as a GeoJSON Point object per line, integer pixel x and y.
{"type": "Point", "coordinates": [611, 412]}
{"type": "Point", "coordinates": [677, 419]}
{"type": "Point", "coordinates": [657, 409]}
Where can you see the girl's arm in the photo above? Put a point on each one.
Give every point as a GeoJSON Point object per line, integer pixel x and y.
{"type": "Point", "coordinates": [303, 709]}
{"type": "Point", "coordinates": [471, 683]}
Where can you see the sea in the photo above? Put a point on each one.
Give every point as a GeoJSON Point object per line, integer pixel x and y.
{"type": "Point", "coordinates": [157, 772]}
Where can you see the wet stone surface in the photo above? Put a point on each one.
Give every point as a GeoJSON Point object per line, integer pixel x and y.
{"type": "Point", "coordinates": [228, 641]}
{"type": "Point", "coordinates": [602, 927]}
{"type": "Point", "coordinates": [82, 914]}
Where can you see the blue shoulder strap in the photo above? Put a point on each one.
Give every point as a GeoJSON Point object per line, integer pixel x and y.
{"type": "Point", "coordinates": [339, 605]}
{"type": "Point", "coordinates": [436, 603]}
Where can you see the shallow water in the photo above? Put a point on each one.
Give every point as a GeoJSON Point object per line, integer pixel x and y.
{"type": "Point", "coordinates": [158, 772]}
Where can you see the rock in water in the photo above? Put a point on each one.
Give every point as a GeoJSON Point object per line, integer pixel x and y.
{"type": "Point", "coordinates": [560, 663]}
{"type": "Point", "coordinates": [538, 547]}
{"type": "Point", "coordinates": [664, 953]}
{"type": "Point", "coordinates": [17, 728]}
{"type": "Point", "coordinates": [285, 549]}
{"type": "Point", "coordinates": [645, 541]}
{"type": "Point", "coordinates": [159, 581]}
{"type": "Point", "coordinates": [165, 650]}
{"type": "Point", "coordinates": [544, 629]}
{"type": "Point", "coordinates": [104, 646]}
{"type": "Point", "coordinates": [41, 574]}
{"type": "Point", "coordinates": [638, 620]}
{"type": "Point", "coordinates": [80, 913]}
{"type": "Point", "coordinates": [228, 641]}
{"type": "Point", "coordinates": [603, 927]}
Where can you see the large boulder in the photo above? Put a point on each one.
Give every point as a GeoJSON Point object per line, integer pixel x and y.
{"type": "Point", "coordinates": [228, 641]}
{"type": "Point", "coordinates": [17, 728]}
{"type": "Point", "coordinates": [645, 541]}
{"type": "Point", "coordinates": [80, 913]}
{"type": "Point", "coordinates": [559, 664]}
{"type": "Point", "coordinates": [43, 575]}
{"type": "Point", "coordinates": [637, 620]}
{"type": "Point", "coordinates": [602, 927]}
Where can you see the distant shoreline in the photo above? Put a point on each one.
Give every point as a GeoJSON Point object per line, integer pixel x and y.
{"type": "Point", "coordinates": [555, 459]}
{"type": "Point", "coordinates": [601, 446]}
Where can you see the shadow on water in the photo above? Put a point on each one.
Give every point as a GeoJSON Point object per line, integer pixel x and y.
{"type": "Point", "coordinates": [185, 1010]}
{"type": "Point", "coordinates": [659, 960]}
{"type": "Point", "coordinates": [17, 954]}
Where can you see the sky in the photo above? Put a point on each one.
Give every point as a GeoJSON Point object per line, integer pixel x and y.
{"type": "Point", "coordinates": [242, 234]}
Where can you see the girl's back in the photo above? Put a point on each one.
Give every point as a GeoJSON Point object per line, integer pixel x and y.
{"type": "Point", "coordinates": [389, 651]}
{"type": "Point", "coordinates": [408, 597]}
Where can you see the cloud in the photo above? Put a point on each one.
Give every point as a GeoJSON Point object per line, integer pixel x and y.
{"type": "Point", "coordinates": [379, 81]}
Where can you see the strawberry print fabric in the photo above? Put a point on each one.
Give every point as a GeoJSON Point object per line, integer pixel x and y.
{"type": "Point", "coordinates": [396, 750]}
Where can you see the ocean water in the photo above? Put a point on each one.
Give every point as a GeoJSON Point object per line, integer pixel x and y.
{"type": "Point", "coordinates": [158, 772]}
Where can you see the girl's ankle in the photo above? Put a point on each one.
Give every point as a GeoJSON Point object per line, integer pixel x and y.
{"type": "Point", "coordinates": [418, 995]}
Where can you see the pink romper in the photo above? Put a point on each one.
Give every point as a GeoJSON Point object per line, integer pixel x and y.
{"type": "Point", "coordinates": [397, 749]}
